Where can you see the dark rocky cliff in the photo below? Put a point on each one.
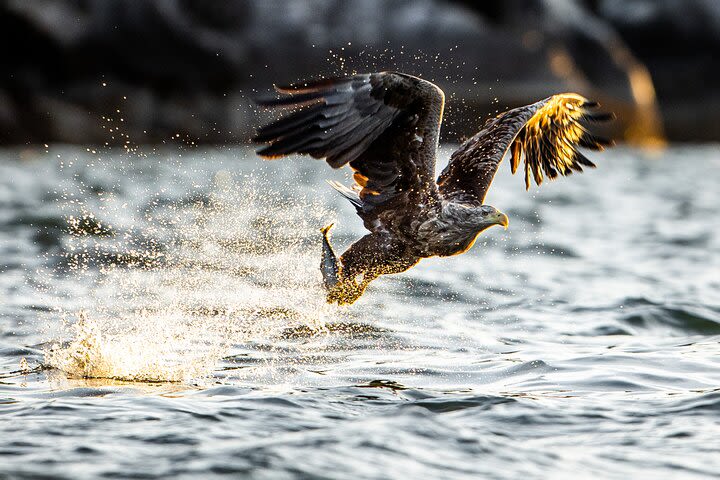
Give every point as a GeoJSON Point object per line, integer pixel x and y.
{"type": "Point", "coordinates": [185, 69]}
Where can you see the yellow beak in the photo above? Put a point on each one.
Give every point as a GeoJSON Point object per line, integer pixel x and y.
{"type": "Point", "coordinates": [502, 219]}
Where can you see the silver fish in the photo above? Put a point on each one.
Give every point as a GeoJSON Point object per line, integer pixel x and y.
{"type": "Point", "coordinates": [329, 264]}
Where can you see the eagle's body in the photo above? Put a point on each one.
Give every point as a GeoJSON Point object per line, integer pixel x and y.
{"type": "Point", "coordinates": [386, 126]}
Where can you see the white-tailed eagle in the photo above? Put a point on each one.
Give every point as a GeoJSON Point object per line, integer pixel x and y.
{"type": "Point", "coordinates": [386, 127]}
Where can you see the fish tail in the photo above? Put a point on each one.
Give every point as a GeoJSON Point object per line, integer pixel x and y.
{"type": "Point", "coordinates": [324, 230]}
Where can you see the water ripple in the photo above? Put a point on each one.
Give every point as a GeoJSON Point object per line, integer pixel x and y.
{"type": "Point", "coordinates": [177, 329]}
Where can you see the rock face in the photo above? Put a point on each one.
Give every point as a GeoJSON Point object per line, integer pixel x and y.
{"type": "Point", "coordinates": [679, 43]}
{"type": "Point", "coordinates": [126, 72]}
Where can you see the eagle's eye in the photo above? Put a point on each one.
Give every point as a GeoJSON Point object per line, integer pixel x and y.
{"type": "Point", "coordinates": [487, 210]}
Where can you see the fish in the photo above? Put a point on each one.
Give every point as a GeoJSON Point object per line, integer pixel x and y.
{"type": "Point", "coordinates": [329, 262]}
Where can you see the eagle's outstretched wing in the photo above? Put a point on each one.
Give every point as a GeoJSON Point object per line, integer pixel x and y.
{"type": "Point", "coordinates": [546, 134]}
{"type": "Point", "coordinates": [385, 125]}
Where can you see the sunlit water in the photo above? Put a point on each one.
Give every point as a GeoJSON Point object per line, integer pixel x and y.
{"type": "Point", "coordinates": [163, 316]}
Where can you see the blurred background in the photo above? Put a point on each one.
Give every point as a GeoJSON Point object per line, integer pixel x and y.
{"type": "Point", "coordinates": [162, 314]}
{"type": "Point", "coordinates": [122, 71]}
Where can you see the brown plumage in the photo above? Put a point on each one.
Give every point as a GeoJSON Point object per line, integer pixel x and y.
{"type": "Point", "coordinates": [386, 127]}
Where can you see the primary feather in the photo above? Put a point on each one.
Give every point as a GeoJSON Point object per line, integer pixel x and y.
{"type": "Point", "coordinates": [546, 135]}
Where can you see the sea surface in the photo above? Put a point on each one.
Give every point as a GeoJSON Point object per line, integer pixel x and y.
{"type": "Point", "coordinates": [162, 316]}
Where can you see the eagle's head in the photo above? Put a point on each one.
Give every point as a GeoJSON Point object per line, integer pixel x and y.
{"type": "Point", "coordinates": [467, 219]}
{"type": "Point", "coordinates": [487, 216]}
{"type": "Point", "coordinates": [459, 226]}
{"type": "Point", "coordinates": [465, 223]}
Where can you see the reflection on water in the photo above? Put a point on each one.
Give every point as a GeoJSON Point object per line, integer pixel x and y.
{"type": "Point", "coordinates": [164, 317]}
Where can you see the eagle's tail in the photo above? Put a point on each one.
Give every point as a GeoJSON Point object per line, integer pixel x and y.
{"type": "Point", "coordinates": [348, 193]}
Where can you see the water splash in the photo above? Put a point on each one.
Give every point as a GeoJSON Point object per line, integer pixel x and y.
{"type": "Point", "coordinates": [172, 294]}
{"type": "Point", "coordinates": [148, 352]}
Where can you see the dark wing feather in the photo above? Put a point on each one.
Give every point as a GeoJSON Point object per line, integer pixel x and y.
{"type": "Point", "coordinates": [385, 125]}
{"type": "Point", "coordinates": [546, 134]}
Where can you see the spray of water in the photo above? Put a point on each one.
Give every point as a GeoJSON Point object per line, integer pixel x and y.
{"type": "Point", "coordinates": [172, 296]}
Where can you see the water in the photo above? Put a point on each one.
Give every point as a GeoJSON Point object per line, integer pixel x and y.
{"type": "Point", "coordinates": [177, 329]}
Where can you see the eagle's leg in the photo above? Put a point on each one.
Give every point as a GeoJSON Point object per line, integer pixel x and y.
{"type": "Point", "coordinates": [339, 282]}
{"type": "Point", "coordinates": [347, 277]}
{"type": "Point", "coordinates": [356, 268]}
{"type": "Point", "coordinates": [348, 290]}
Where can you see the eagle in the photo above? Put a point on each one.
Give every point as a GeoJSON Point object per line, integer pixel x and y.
{"type": "Point", "coordinates": [386, 126]}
